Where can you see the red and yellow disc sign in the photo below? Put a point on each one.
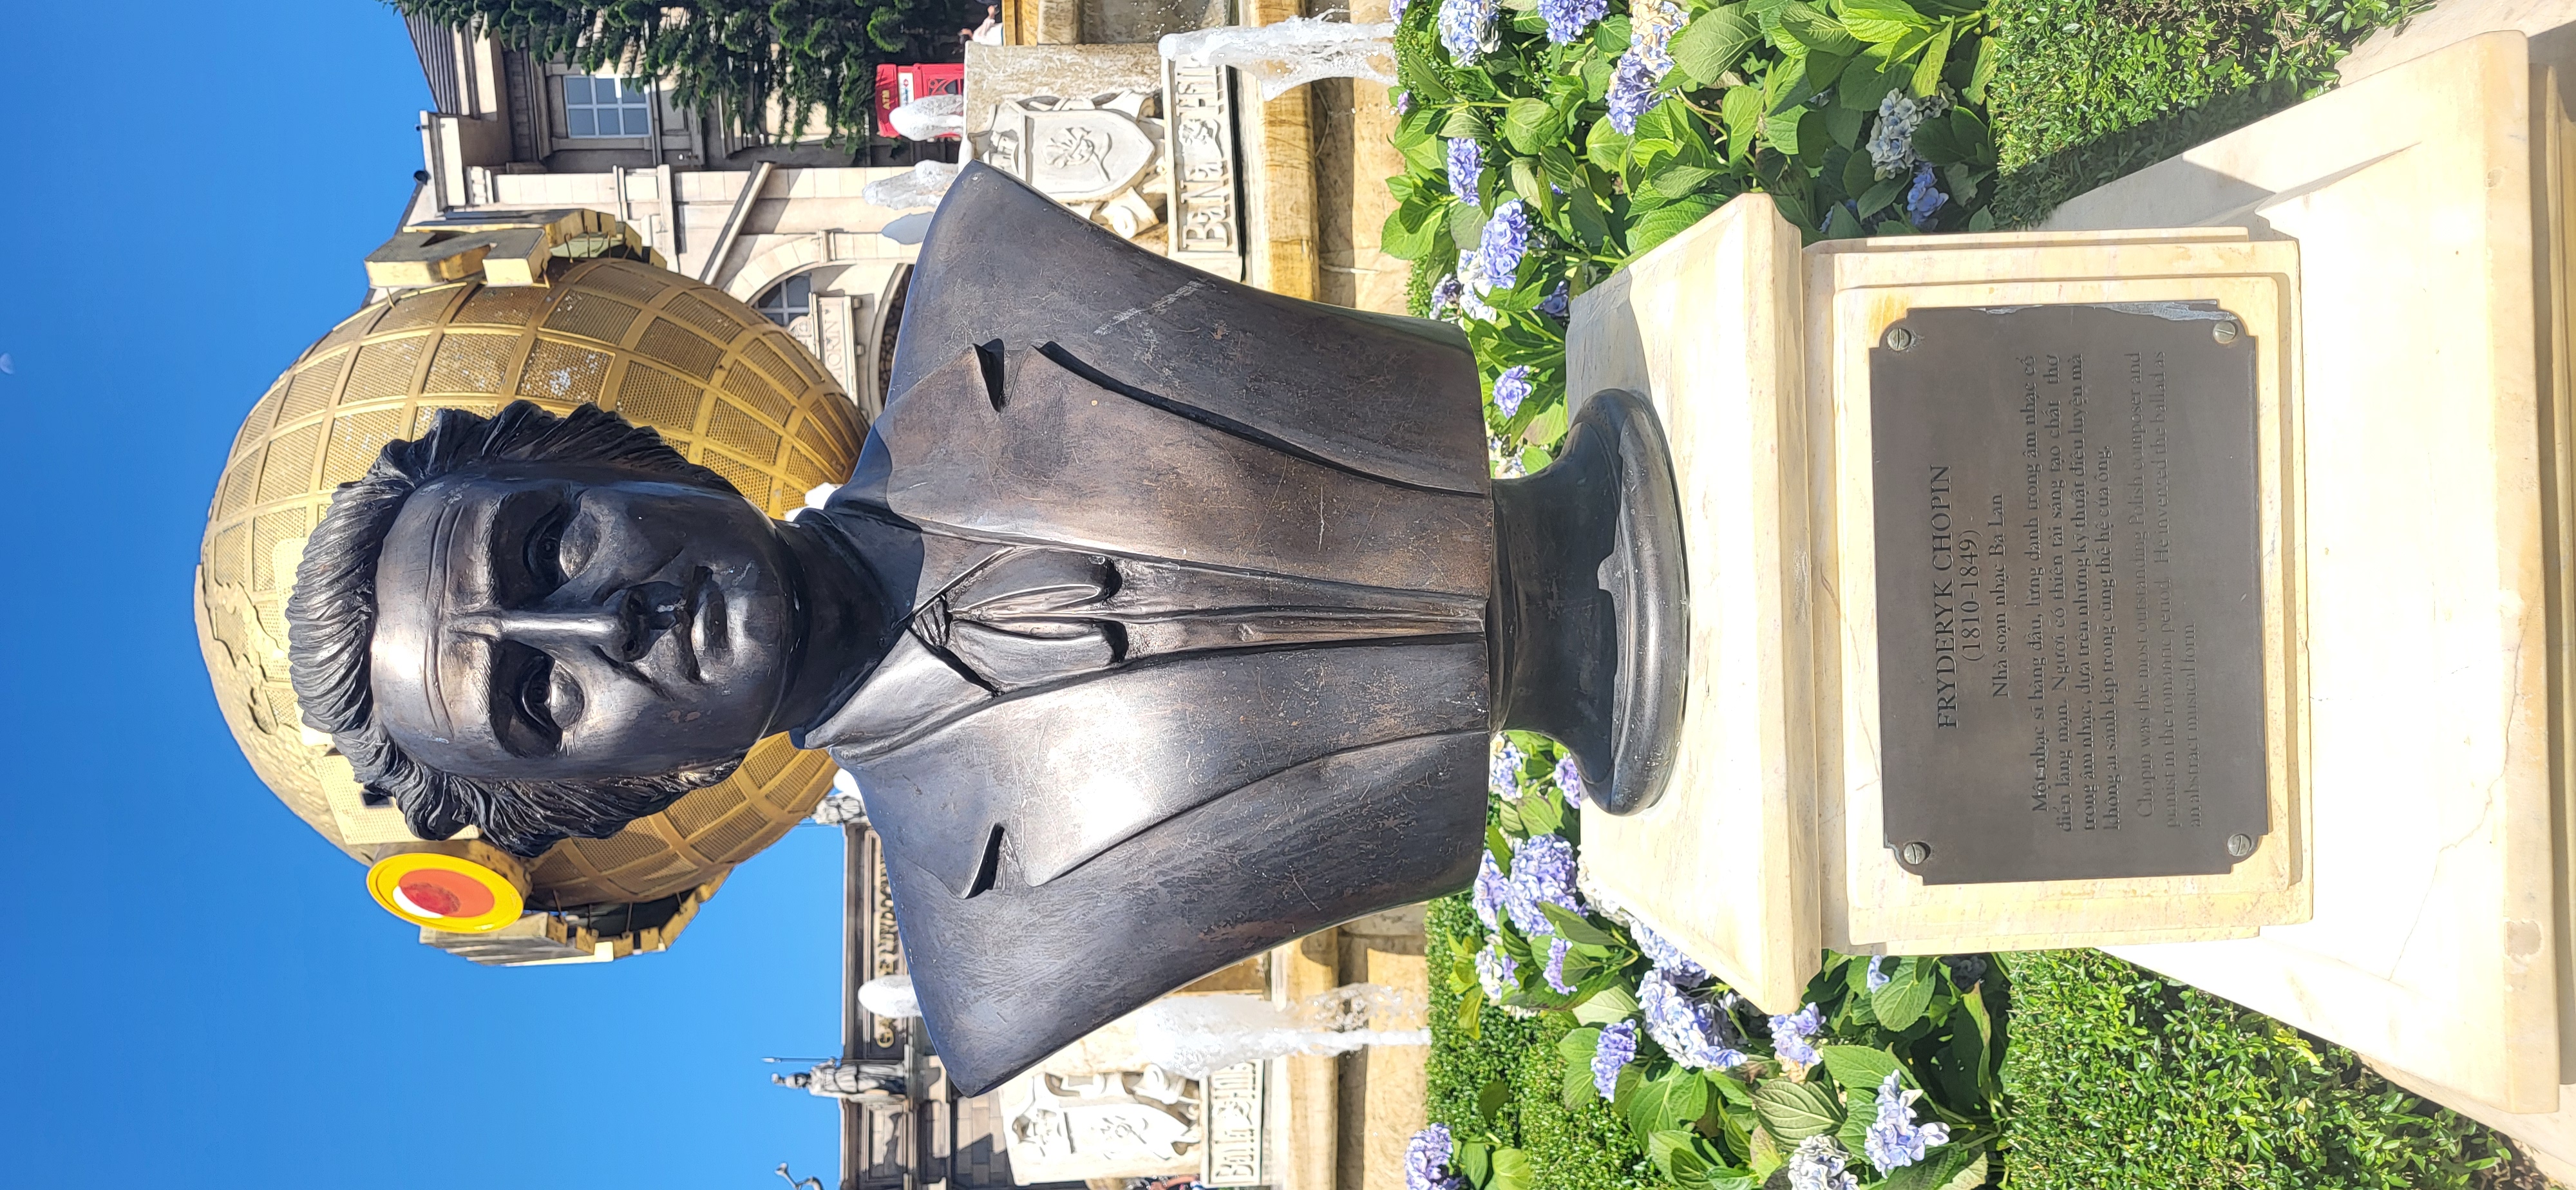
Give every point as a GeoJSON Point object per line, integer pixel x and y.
{"type": "Point", "coordinates": [444, 892]}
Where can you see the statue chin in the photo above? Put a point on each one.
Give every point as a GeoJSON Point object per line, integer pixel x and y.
{"type": "Point", "coordinates": [1163, 621]}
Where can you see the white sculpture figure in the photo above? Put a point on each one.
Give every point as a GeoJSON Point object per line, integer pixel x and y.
{"type": "Point", "coordinates": [929, 117]}
{"type": "Point", "coordinates": [919, 190]}
{"type": "Point", "coordinates": [1114, 1123]}
{"type": "Point", "coordinates": [847, 1079]}
{"type": "Point", "coordinates": [889, 996]}
{"type": "Point", "coordinates": [1201, 1034]}
{"type": "Point", "coordinates": [1295, 51]}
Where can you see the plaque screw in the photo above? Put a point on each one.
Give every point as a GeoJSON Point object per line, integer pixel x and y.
{"type": "Point", "coordinates": [1899, 338]}
{"type": "Point", "coordinates": [1914, 853]}
{"type": "Point", "coordinates": [2240, 845]}
{"type": "Point", "coordinates": [2223, 331]}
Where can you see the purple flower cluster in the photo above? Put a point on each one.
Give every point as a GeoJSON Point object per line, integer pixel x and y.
{"type": "Point", "coordinates": [1792, 1035]}
{"type": "Point", "coordinates": [1473, 285]}
{"type": "Point", "coordinates": [1618, 1048]}
{"type": "Point", "coordinates": [1503, 774]}
{"type": "Point", "coordinates": [1503, 242]}
{"type": "Point", "coordinates": [1426, 1161]}
{"type": "Point", "coordinates": [1510, 389]}
{"type": "Point", "coordinates": [1403, 103]}
{"type": "Point", "coordinates": [1567, 19]}
{"type": "Point", "coordinates": [1922, 199]}
{"type": "Point", "coordinates": [1445, 294]}
{"type": "Point", "coordinates": [1693, 1031]}
{"type": "Point", "coordinates": [1877, 978]}
{"type": "Point", "coordinates": [1554, 972]}
{"type": "Point", "coordinates": [1466, 166]}
{"type": "Point", "coordinates": [1467, 28]}
{"type": "Point", "coordinates": [1558, 303]}
{"type": "Point", "coordinates": [1499, 973]}
{"type": "Point", "coordinates": [1487, 899]}
{"type": "Point", "coordinates": [1894, 1138]}
{"type": "Point", "coordinates": [1818, 1164]}
{"type": "Point", "coordinates": [1542, 873]}
{"type": "Point", "coordinates": [1570, 779]}
{"type": "Point", "coordinates": [1668, 959]}
{"type": "Point", "coordinates": [1642, 68]}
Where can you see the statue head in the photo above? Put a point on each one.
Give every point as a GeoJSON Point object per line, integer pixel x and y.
{"type": "Point", "coordinates": [547, 626]}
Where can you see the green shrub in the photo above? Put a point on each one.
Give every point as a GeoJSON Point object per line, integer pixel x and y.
{"type": "Point", "coordinates": [2118, 1077]}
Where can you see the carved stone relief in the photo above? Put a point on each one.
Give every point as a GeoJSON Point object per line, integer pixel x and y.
{"type": "Point", "coordinates": [1101, 155]}
{"type": "Point", "coordinates": [1119, 1123]}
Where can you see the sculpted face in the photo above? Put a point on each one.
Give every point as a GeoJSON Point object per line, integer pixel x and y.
{"type": "Point", "coordinates": [544, 621]}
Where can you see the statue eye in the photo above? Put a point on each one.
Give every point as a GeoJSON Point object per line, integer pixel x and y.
{"type": "Point", "coordinates": [544, 552]}
{"type": "Point", "coordinates": [547, 697]}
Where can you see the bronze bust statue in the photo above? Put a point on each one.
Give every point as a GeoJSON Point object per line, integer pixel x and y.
{"type": "Point", "coordinates": [1164, 620]}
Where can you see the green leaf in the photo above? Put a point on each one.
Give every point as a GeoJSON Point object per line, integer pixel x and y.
{"type": "Point", "coordinates": [1526, 183]}
{"type": "Point", "coordinates": [1667, 221]}
{"type": "Point", "coordinates": [1878, 196]}
{"type": "Point", "coordinates": [1570, 926]}
{"type": "Point", "coordinates": [1713, 42]}
{"type": "Point", "coordinates": [1742, 109]}
{"type": "Point", "coordinates": [1863, 86]}
{"type": "Point", "coordinates": [1605, 146]}
{"type": "Point", "coordinates": [1491, 1099]}
{"type": "Point", "coordinates": [1686, 1096]}
{"type": "Point", "coordinates": [1729, 1088]}
{"type": "Point", "coordinates": [1674, 181]}
{"type": "Point", "coordinates": [1466, 227]}
{"type": "Point", "coordinates": [1405, 241]}
{"type": "Point", "coordinates": [1983, 73]}
{"type": "Point", "coordinates": [1934, 142]}
{"type": "Point", "coordinates": [1858, 1067]}
{"type": "Point", "coordinates": [1975, 143]}
{"type": "Point", "coordinates": [1607, 1006]}
{"type": "Point", "coordinates": [1822, 70]}
{"type": "Point", "coordinates": [1531, 125]}
{"type": "Point", "coordinates": [1907, 993]}
{"type": "Point", "coordinates": [1957, 1166]}
{"type": "Point", "coordinates": [1426, 156]}
{"type": "Point", "coordinates": [1471, 1011]}
{"type": "Point", "coordinates": [1506, 814]}
{"type": "Point", "coordinates": [1858, 175]}
{"type": "Point", "coordinates": [1476, 1160]}
{"type": "Point", "coordinates": [1465, 122]}
{"type": "Point", "coordinates": [1577, 1046]}
{"type": "Point", "coordinates": [1792, 1112]}
{"type": "Point", "coordinates": [1781, 131]}
{"type": "Point", "coordinates": [1540, 811]}
{"type": "Point", "coordinates": [1983, 220]}
{"type": "Point", "coordinates": [1810, 27]}
{"type": "Point", "coordinates": [1576, 1087]}
{"type": "Point", "coordinates": [1843, 124]}
{"type": "Point", "coordinates": [1927, 73]}
{"type": "Point", "coordinates": [1512, 1170]}
{"type": "Point", "coordinates": [1860, 1110]}
{"type": "Point", "coordinates": [1499, 847]}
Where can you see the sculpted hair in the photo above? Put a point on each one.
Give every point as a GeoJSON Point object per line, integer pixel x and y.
{"type": "Point", "coordinates": [331, 621]}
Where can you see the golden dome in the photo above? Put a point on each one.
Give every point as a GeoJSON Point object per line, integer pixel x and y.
{"type": "Point", "coordinates": [726, 387]}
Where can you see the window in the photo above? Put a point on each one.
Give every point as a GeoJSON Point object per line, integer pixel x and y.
{"type": "Point", "coordinates": [789, 300]}
{"type": "Point", "coordinates": [600, 107]}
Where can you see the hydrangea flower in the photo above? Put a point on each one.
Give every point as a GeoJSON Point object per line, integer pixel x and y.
{"type": "Point", "coordinates": [1554, 972]}
{"type": "Point", "coordinates": [1403, 103]}
{"type": "Point", "coordinates": [1466, 166]}
{"type": "Point", "coordinates": [1444, 294]}
{"type": "Point", "coordinates": [1891, 142]}
{"type": "Point", "coordinates": [1791, 1035]}
{"type": "Point", "coordinates": [1668, 959]}
{"type": "Point", "coordinates": [1503, 242]}
{"type": "Point", "coordinates": [1395, 11]}
{"type": "Point", "coordinates": [1894, 1138]}
{"type": "Point", "coordinates": [1567, 19]}
{"type": "Point", "coordinates": [1510, 389]}
{"type": "Point", "coordinates": [1489, 892]}
{"type": "Point", "coordinates": [1498, 972]}
{"type": "Point", "coordinates": [1507, 462]}
{"type": "Point", "coordinates": [1570, 779]}
{"type": "Point", "coordinates": [1473, 284]}
{"type": "Point", "coordinates": [1426, 1160]}
{"type": "Point", "coordinates": [1618, 1048]}
{"type": "Point", "coordinates": [1558, 303]}
{"type": "Point", "coordinates": [1877, 978]}
{"type": "Point", "coordinates": [1542, 873]}
{"type": "Point", "coordinates": [1922, 199]}
{"type": "Point", "coordinates": [1818, 1164]}
{"type": "Point", "coordinates": [1694, 1032]}
{"type": "Point", "coordinates": [1504, 772]}
{"type": "Point", "coordinates": [1650, 36]}
{"type": "Point", "coordinates": [1467, 28]}
{"type": "Point", "coordinates": [1632, 91]}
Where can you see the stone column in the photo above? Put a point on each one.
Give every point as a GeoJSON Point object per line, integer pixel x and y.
{"type": "Point", "coordinates": [1279, 176]}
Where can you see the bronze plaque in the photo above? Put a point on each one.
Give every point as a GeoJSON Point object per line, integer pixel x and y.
{"type": "Point", "coordinates": [2070, 632]}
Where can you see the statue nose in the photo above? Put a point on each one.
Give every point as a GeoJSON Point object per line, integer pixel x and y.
{"type": "Point", "coordinates": [624, 626]}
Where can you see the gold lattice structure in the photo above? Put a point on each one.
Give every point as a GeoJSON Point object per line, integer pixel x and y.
{"type": "Point", "coordinates": [724, 386]}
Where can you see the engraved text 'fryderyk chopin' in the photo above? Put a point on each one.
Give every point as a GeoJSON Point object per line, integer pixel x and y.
{"type": "Point", "coordinates": [2065, 536]}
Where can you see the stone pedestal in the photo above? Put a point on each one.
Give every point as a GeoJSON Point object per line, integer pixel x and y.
{"type": "Point", "coordinates": [2396, 252]}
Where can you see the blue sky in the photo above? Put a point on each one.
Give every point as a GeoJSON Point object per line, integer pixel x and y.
{"type": "Point", "coordinates": [194, 989]}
